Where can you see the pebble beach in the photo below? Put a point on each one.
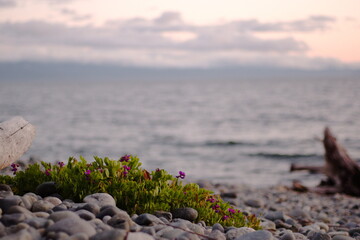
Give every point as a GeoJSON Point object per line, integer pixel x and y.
{"type": "Point", "coordinates": [284, 214]}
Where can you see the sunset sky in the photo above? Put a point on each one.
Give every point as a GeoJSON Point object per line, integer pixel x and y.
{"type": "Point", "coordinates": [303, 34]}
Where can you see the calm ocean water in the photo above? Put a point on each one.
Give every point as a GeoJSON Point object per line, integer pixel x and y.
{"type": "Point", "coordinates": [226, 131]}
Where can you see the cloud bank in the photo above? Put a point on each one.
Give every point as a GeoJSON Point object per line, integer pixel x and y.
{"type": "Point", "coordinates": [163, 41]}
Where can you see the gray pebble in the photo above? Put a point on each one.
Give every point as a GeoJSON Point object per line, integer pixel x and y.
{"type": "Point", "coordinates": [218, 226]}
{"type": "Point", "coordinates": [100, 199]}
{"type": "Point", "coordinates": [189, 214]}
{"type": "Point", "coordinates": [72, 226]}
{"type": "Point", "coordinates": [115, 234]}
{"type": "Point", "coordinates": [320, 236]}
{"type": "Point", "coordinates": [274, 215]}
{"type": "Point", "coordinates": [86, 215]}
{"type": "Point", "coordinates": [42, 206]}
{"type": "Point", "coordinates": [13, 219]}
{"type": "Point", "coordinates": [57, 216]}
{"type": "Point", "coordinates": [217, 234]}
{"type": "Point", "coordinates": [255, 203]}
{"type": "Point", "coordinates": [238, 232]}
{"type": "Point", "coordinates": [164, 214]}
{"type": "Point", "coordinates": [340, 237]}
{"type": "Point", "coordinates": [108, 211]}
{"type": "Point", "coordinates": [257, 235]}
{"type": "Point", "coordinates": [147, 219]}
{"type": "Point", "coordinates": [99, 225]}
{"type": "Point", "coordinates": [9, 201]}
{"type": "Point", "coordinates": [139, 236]}
{"type": "Point", "coordinates": [121, 221]}
{"type": "Point", "coordinates": [24, 234]}
{"type": "Point", "coordinates": [54, 200]}
{"type": "Point", "coordinates": [288, 235]}
{"type": "Point", "coordinates": [79, 236]}
{"type": "Point", "coordinates": [91, 207]}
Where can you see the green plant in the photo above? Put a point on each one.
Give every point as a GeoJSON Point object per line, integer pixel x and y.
{"type": "Point", "coordinates": [135, 189]}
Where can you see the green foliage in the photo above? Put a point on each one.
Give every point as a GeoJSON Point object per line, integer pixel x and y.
{"type": "Point", "coordinates": [134, 189]}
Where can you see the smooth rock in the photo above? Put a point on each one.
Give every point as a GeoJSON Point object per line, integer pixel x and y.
{"type": "Point", "coordinates": [57, 216]}
{"type": "Point", "coordinates": [189, 214]}
{"type": "Point", "coordinates": [99, 225]}
{"type": "Point", "coordinates": [24, 234]}
{"type": "Point", "coordinates": [91, 207]}
{"type": "Point", "coordinates": [42, 206]}
{"type": "Point", "coordinates": [217, 234]}
{"type": "Point", "coordinates": [320, 236]}
{"type": "Point", "coordinates": [13, 219]}
{"type": "Point", "coordinates": [139, 236]}
{"type": "Point", "coordinates": [257, 235]}
{"type": "Point", "coordinates": [37, 222]}
{"type": "Point", "coordinates": [100, 199]}
{"type": "Point", "coordinates": [237, 232]}
{"type": "Point", "coordinates": [164, 214]}
{"type": "Point", "coordinates": [340, 237]}
{"type": "Point", "coordinates": [288, 235]}
{"type": "Point", "coordinates": [108, 211]}
{"type": "Point", "coordinates": [79, 236]}
{"type": "Point", "coordinates": [218, 226]}
{"type": "Point", "coordinates": [86, 215]}
{"type": "Point", "coordinates": [121, 221]}
{"type": "Point", "coordinates": [72, 226]}
{"type": "Point", "coordinates": [147, 219]}
{"type": "Point", "coordinates": [53, 200]}
{"type": "Point", "coordinates": [115, 234]}
{"type": "Point", "coordinates": [46, 189]}
{"type": "Point", "coordinates": [255, 203]}
{"type": "Point", "coordinates": [274, 215]}
{"type": "Point", "coordinates": [9, 201]}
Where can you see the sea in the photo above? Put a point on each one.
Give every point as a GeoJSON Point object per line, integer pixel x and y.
{"type": "Point", "coordinates": [238, 131]}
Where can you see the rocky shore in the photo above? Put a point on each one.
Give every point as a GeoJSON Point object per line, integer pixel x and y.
{"type": "Point", "coordinates": [285, 215]}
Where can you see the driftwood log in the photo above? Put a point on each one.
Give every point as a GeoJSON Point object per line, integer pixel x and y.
{"type": "Point", "coordinates": [343, 173]}
{"type": "Point", "coordinates": [16, 136]}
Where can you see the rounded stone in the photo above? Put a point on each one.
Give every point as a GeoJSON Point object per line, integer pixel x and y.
{"type": "Point", "coordinates": [257, 235]}
{"type": "Point", "coordinates": [5, 187]}
{"type": "Point", "coordinates": [9, 201]}
{"type": "Point", "coordinates": [288, 235]}
{"type": "Point", "coordinates": [120, 220]}
{"type": "Point", "coordinates": [115, 234]}
{"type": "Point", "coordinates": [217, 234]}
{"type": "Point", "coordinates": [189, 214]}
{"type": "Point", "coordinates": [274, 215]}
{"type": "Point", "coordinates": [72, 226]}
{"type": "Point", "coordinates": [57, 216]}
{"type": "Point", "coordinates": [139, 236]}
{"type": "Point", "coordinates": [320, 236]}
{"type": "Point", "coordinates": [237, 232]}
{"type": "Point", "coordinates": [108, 211]}
{"type": "Point", "coordinates": [218, 226]}
{"type": "Point", "coordinates": [91, 207]}
{"type": "Point", "coordinates": [86, 215]}
{"type": "Point", "coordinates": [54, 200]}
{"type": "Point", "coordinates": [46, 189]}
{"type": "Point", "coordinates": [100, 199]}
{"type": "Point", "coordinates": [41, 206]}
{"type": "Point", "coordinates": [147, 219]}
{"type": "Point", "coordinates": [164, 214]}
{"type": "Point", "coordinates": [79, 236]}
{"type": "Point", "coordinates": [99, 225]}
{"type": "Point", "coordinates": [255, 203]}
{"type": "Point", "coordinates": [13, 219]}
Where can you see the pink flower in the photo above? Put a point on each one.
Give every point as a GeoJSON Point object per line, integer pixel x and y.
{"type": "Point", "coordinates": [14, 167]}
{"type": "Point", "coordinates": [48, 172]}
{"type": "Point", "coordinates": [231, 210]}
{"type": "Point", "coordinates": [61, 164]}
{"type": "Point", "coordinates": [87, 172]}
{"type": "Point", "coordinates": [225, 217]}
{"type": "Point", "coordinates": [125, 158]}
{"type": "Point", "coordinates": [181, 175]}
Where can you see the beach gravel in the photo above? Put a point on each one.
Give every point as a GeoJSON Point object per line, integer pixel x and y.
{"type": "Point", "coordinates": [284, 215]}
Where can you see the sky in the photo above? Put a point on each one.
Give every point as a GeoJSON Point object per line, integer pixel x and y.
{"type": "Point", "coordinates": [303, 34]}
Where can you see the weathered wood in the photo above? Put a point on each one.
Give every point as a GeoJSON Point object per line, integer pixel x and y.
{"type": "Point", "coordinates": [16, 136]}
{"type": "Point", "coordinates": [342, 172]}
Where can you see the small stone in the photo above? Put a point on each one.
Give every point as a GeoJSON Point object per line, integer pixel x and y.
{"type": "Point", "coordinates": [73, 226]}
{"type": "Point", "coordinates": [122, 221]}
{"type": "Point", "coordinates": [228, 195]}
{"type": "Point", "coordinates": [354, 232]}
{"type": "Point", "coordinates": [5, 187]}
{"type": "Point", "coordinates": [148, 230]}
{"type": "Point", "coordinates": [12, 219]}
{"type": "Point", "coordinates": [147, 219]}
{"type": "Point", "coordinates": [79, 236]}
{"type": "Point", "coordinates": [300, 214]}
{"type": "Point", "coordinates": [57, 216]}
{"type": "Point", "coordinates": [217, 234]}
{"type": "Point", "coordinates": [42, 206]}
{"type": "Point", "coordinates": [91, 207]}
{"type": "Point", "coordinates": [108, 211]}
{"type": "Point", "coordinates": [86, 215]}
{"type": "Point", "coordinates": [255, 203]}
{"type": "Point", "coordinates": [99, 225]}
{"type": "Point", "coordinates": [172, 234]}
{"type": "Point", "coordinates": [189, 214]}
{"type": "Point", "coordinates": [54, 200]}
{"type": "Point", "coordinates": [268, 225]}
{"type": "Point", "coordinates": [288, 235]}
{"type": "Point", "coordinates": [46, 189]}
{"type": "Point", "coordinates": [60, 207]}
{"type": "Point", "coordinates": [9, 201]}
{"type": "Point", "coordinates": [115, 234]}
{"type": "Point", "coordinates": [100, 199]}
{"type": "Point", "coordinates": [333, 234]}
{"type": "Point", "coordinates": [139, 236]}
{"type": "Point", "coordinates": [257, 235]}
{"type": "Point", "coordinates": [24, 234]}
{"type": "Point", "coordinates": [340, 237]}
{"type": "Point", "coordinates": [218, 226]}
{"type": "Point", "coordinates": [320, 236]}
{"type": "Point", "coordinates": [164, 214]}
{"type": "Point", "coordinates": [274, 215]}
{"type": "Point", "coordinates": [19, 209]}
{"type": "Point", "coordinates": [237, 232]}
{"type": "Point", "coordinates": [37, 222]}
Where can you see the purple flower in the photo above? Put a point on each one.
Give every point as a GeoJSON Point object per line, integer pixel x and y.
{"type": "Point", "coordinates": [211, 199]}
{"type": "Point", "coordinates": [125, 158]}
{"type": "Point", "coordinates": [48, 172]}
{"type": "Point", "coordinates": [87, 172]}
{"type": "Point", "coordinates": [61, 164]}
{"type": "Point", "coordinates": [100, 170]}
{"type": "Point", "coordinates": [215, 207]}
{"type": "Point", "coordinates": [127, 168]}
{"type": "Point", "coordinates": [225, 217]}
{"type": "Point", "coordinates": [158, 170]}
{"type": "Point", "coordinates": [181, 175]}
{"type": "Point", "coordinates": [231, 210]}
{"type": "Point", "coordinates": [14, 167]}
